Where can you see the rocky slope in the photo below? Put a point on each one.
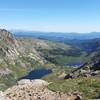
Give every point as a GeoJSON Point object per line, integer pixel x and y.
{"type": "Point", "coordinates": [90, 68]}
{"type": "Point", "coordinates": [35, 90]}
{"type": "Point", "coordinates": [11, 49]}
{"type": "Point", "coordinates": [16, 58]}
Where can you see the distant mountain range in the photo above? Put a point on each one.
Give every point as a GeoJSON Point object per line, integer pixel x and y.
{"type": "Point", "coordinates": [59, 36]}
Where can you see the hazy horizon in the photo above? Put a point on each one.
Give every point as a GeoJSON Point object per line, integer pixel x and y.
{"type": "Point", "coordinates": [21, 30]}
{"type": "Point", "coordinates": [79, 16]}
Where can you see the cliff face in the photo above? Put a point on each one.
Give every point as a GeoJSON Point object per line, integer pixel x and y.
{"type": "Point", "coordinates": [8, 45]}
{"type": "Point", "coordinates": [11, 48]}
{"type": "Point", "coordinates": [8, 51]}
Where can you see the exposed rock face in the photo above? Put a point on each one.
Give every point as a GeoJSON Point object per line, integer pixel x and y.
{"type": "Point", "coordinates": [17, 57]}
{"type": "Point", "coordinates": [36, 82]}
{"type": "Point", "coordinates": [23, 82]}
{"type": "Point", "coordinates": [93, 66]}
{"type": "Point", "coordinates": [35, 90]}
{"type": "Point", "coordinates": [2, 96]}
{"type": "Point", "coordinates": [11, 48]}
{"type": "Point", "coordinates": [5, 71]}
{"type": "Point", "coordinates": [8, 45]}
{"type": "Point", "coordinates": [95, 62]}
{"type": "Point", "coordinates": [31, 90]}
{"type": "Point", "coordinates": [90, 68]}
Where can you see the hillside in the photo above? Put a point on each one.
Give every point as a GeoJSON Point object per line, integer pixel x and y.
{"type": "Point", "coordinates": [18, 56]}
{"type": "Point", "coordinates": [54, 52]}
{"type": "Point", "coordinates": [90, 46]}
{"type": "Point", "coordinates": [16, 59]}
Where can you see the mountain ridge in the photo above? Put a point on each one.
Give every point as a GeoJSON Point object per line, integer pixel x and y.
{"type": "Point", "coordinates": [63, 35]}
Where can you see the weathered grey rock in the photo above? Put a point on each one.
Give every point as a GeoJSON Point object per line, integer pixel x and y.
{"type": "Point", "coordinates": [78, 97]}
{"type": "Point", "coordinates": [39, 82]}
{"type": "Point", "coordinates": [62, 75]}
{"type": "Point", "coordinates": [23, 82]}
{"type": "Point", "coordinates": [5, 71]}
{"type": "Point", "coordinates": [95, 73]}
{"type": "Point", "coordinates": [2, 96]}
{"type": "Point", "coordinates": [32, 91]}
{"type": "Point", "coordinates": [69, 76]}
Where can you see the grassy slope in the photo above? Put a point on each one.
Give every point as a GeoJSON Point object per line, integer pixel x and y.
{"type": "Point", "coordinates": [61, 54]}
{"type": "Point", "coordinates": [88, 87]}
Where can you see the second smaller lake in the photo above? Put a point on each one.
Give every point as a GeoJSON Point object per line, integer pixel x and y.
{"type": "Point", "coordinates": [37, 74]}
{"type": "Point", "coordinates": [74, 64]}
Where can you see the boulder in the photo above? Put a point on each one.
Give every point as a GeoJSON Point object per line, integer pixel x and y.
{"type": "Point", "coordinates": [95, 73]}
{"type": "Point", "coordinates": [2, 96]}
{"type": "Point", "coordinates": [62, 75]}
{"type": "Point", "coordinates": [39, 82]}
{"type": "Point", "coordinates": [68, 76]}
{"type": "Point", "coordinates": [23, 82]}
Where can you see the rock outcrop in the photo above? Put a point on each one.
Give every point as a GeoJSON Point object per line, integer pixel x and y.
{"type": "Point", "coordinates": [35, 90]}
{"type": "Point", "coordinates": [11, 49]}
{"type": "Point", "coordinates": [90, 68]}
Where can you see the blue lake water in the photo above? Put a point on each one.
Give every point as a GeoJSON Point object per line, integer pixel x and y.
{"type": "Point", "coordinates": [73, 64]}
{"type": "Point", "coordinates": [37, 74]}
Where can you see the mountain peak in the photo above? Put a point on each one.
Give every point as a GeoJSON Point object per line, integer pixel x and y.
{"type": "Point", "coordinates": [5, 33]}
